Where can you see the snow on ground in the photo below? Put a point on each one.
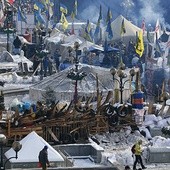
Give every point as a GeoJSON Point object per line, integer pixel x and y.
{"type": "Point", "coordinates": [117, 145]}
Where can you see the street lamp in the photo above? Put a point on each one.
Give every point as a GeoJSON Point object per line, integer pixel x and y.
{"type": "Point", "coordinates": [2, 142]}
{"type": "Point", "coordinates": [74, 74]}
{"type": "Point", "coordinates": [16, 146]}
{"type": "Point", "coordinates": [8, 28]}
{"type": "Point", "coordinates": [121, 75]}
{"type": "Point", "coordinates": [41, 52]}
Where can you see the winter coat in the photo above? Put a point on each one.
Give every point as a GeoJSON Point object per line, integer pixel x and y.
{"type": "Point", "coordinates": [43, 157]}
{"type": "Point", "coordinates": [138, 149]}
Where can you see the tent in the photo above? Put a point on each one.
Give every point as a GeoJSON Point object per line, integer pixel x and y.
{"type": "Point", "coordinates": [131, 29]}
{"type": "Point", "coordinates": [63, 87]}
{"type": "Point", "coordinates": [31, 145]}
{"type": "Point", "coordinates": [69, 42]}
{"type": "Point", "coordinates": [12, 62]}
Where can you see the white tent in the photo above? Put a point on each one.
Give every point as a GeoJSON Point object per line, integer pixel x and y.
{"type": "Point", "coordinates": [31, 146]}
{"type": "Point", "coordinates": [131, 29]}
{"type": "Point", "coordinates": [69, 42]}
{"type": "Point", "coordinates": [56, 37]}
{"type": "Point", "coordinates": [9, 61]}
{"type": "Point", "coordinates": [63, 87]}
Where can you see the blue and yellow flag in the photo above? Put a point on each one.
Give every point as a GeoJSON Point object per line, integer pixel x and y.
{"type": "Point", "coordinates": [63, 9]}
{"type": "Point", "coordinates": [109, 28]}
{"type": "Point", "coordinates": [140, 44]}
{"type": "Point", "coordinates": [97, 30]}
{"type": "Point", "coordinates": [21, 16]}
{"type": "Point", "coordinates": [38, 5]}
{"type": "Point", "coordinates": [87, 31]}
{"type": "Point", "coordinates": [109, 15]}
{"type": "Point", "coordinates": [74, 12]}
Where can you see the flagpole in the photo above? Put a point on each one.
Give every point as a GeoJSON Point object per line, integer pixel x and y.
{"type": "Point", "coordinates": [21, 27]}
{"type": "Point", "coordinates": [59, 13]}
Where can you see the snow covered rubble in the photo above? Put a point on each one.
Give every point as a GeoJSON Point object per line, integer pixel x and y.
{"type": "Point", "coordinates": [117, 145]}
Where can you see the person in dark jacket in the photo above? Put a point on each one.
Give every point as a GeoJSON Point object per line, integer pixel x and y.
{"type": "Point", "coordinates": [17, 45]}
{"type": "Point", "coordinates": [43, 158]}
{"type": "Point", "coordinates": [57, 59]}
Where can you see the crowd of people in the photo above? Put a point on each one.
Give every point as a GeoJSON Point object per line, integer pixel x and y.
{"type": "Point", "coordinates": [53, 62]}
{"type": "Point", "coordinates": [26, 6]}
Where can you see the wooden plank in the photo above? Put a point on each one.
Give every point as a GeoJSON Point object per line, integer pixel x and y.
{"type": "Point", "coordinates": [52, 134]}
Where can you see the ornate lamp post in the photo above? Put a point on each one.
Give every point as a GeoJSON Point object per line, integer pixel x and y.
{"type": "Point", "coordinates": [74, 74]}
{"type": "Point", "coordinates": [8, 28]}
{"type": "Point", "coordinates": [16, 146]}
{"type": "Point", "coordinates": [2, 142]}
{"type": "Point", "coordinates": [41, 52]}
{"type": "Point", "coordinates": [121, 75]}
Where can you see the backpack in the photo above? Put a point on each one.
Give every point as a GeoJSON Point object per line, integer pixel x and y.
{"type": "Point", "coordinates": [133, 149]}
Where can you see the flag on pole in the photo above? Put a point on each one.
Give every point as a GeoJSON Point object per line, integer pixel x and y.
{"type": "Point", "coordinates": [157, 30]}
{"type": "Point", "coordinates": [87, 31]}
{"type": "Point", "coordinates": [64, 21]}
{"type": "Point", "coordinates": [97, 30]}
{"type": "Point", "coordinates": [158, 48]}
{"type": "Point", "coordinates": [38, 5]}
{"type": "Point", "coordinates": [21, 16]}
{"type": "Point", "coordinates": [140, 44]}
{"type": "Point", "coordinates": [63, 9]}
{"type": "Point", "coordinates": [72, 29]}
{"type": "Point", "coordinates": [74, 12]}
{"type": "Point", "coordinates": [11, 1]}
{"type": "Point", "coordinates": [109, 28]}
{"type": "Point", "coordinates": [143, 26]}
{"type": "Point", "coordinates": [48, 4]}
{"type": "Point", "coordinates": [123, 29]}
{"type": "Point", "coordinates": [148, 36]}
{"type": "Point", "coordinates": [109, 15]}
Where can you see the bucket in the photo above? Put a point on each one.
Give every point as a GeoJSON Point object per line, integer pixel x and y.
{"type": "Point", "coordinates": [137, 100]}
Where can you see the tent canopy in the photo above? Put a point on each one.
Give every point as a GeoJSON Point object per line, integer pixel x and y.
{"type": "Point", "coordinates": [63, 87]}
{"type": "Point", "coordinates": [31, 146]}
{"type": "Point", "coordinates": [130, 28]}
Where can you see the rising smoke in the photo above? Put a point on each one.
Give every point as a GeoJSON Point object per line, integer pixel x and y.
{"type": "Point", "coordinates": [151, 11]}
{"type": "Point", "coordinates": [134, 10]}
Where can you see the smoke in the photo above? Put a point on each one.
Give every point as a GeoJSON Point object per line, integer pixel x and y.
{"type": "Point", "coordinates": [151, 11]}
{"type": "Point", "coordinates": [90, 9]}
{"type": "Point", "coordinates": [133, 10]}
{"type": "Point", "coordinates": [91, 13]}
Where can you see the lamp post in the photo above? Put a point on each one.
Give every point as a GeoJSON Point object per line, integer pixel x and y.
{"type": "Point", "coordinates": [74, 74]}
{"type": "Point", "coordinates": [2, 142]}
{"type": "Point", "coordinates": [121, 75]}
{"type": "Point", "coordinates": [41, 52]}
{"type": "Point", "coordinates": [16, 146]}
{"type": "Point", "coordinates": [8, 28]}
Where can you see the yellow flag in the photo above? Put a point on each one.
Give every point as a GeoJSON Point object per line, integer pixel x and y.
{"type": "Point", "coordinates": [139, 44]}
{"type": "Point", "coordinates": [64, 21]}
{"type": "Point", "coordinates": [36, 7]}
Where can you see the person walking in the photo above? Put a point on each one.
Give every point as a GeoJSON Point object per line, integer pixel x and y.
{"type": "Point", "coordinates": [138, 152]}
{"type": "Point", "coordinates": [43, 158]}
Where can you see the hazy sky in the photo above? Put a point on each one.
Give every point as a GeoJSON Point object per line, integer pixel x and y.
{"type": "Point", "coordinates": [134, 10]}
